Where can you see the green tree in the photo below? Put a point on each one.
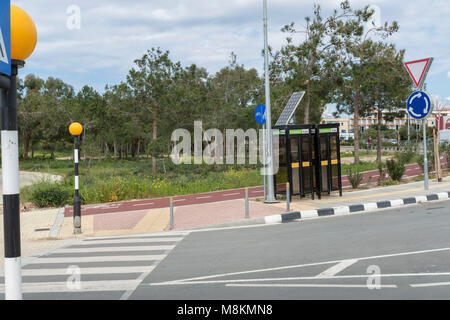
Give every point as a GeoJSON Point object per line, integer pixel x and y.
{"type": "Point", "coordinates": [351, 94]}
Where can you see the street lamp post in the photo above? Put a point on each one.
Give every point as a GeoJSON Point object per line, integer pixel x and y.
{"type": "Point", "coordinates": [270, 195]}
{"type": "Point", "coordinates": [76, 130]}
{"type": "Point", "coordinates": [23, 42]}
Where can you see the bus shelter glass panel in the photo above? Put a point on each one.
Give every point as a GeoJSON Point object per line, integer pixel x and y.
{"type": "Point", "coordinates": [306, 164]}
{"type": "Point", "coordinates": [295, 165]}
{"type": "Point", "coordinates": [281, 177]}
{"type": "Point", "coordinates": [334, 162]}
{"type": "Point", "coordinates": [324, 162]}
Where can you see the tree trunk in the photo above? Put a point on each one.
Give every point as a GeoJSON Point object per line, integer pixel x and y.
{"type": "Point", "coordinates": [106, 150]}
{"type": "Point", "coordinates": [137, 150]}
{"type": "Point", "coordinates": [356, 125]}
{"type": "Point", "coordinates": [155, 136]}
{"type": "Point", "coordinates": [25, 146]}
{"type": "Point", "coordinates": [115, 149]}
{"type": "Point", "coordinates": [307, 104]}
{"type": "Point", "coordinates": [32, 150]}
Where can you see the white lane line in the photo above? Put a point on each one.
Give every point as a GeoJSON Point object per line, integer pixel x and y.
{"type": "Point", "coordinates": [102, 270]}
{"type": "Point", "coordinates": [362, 286]}
{"type": "Point", "coordinates": [337, 268]}
{"type": "Point", "coordinates": [122, 240]}
{"type": "Point", "coordinates": [362, 276]}
{"type": "Point", "coordinates": [85, 286]}
{"type": "Point", "coordinates": [207, 197]}
{"type": "Point", "coordinates": [179, 200]}
{"type": "Point", "coordinates": [113, 249]}
{"type": "Point", "coordinates": [70, 260]}
{"type": "Point", "coordinates": [142, 204]}
{"type": "Point", "coordinates": [231, 194]}
{"type": "Point", "coordinates": [424, 285]}
{"type": "Point", "coordinates": [310, 264]}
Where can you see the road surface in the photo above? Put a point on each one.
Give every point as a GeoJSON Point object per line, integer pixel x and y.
{"type": "Point", "coordinates": [392, 254]}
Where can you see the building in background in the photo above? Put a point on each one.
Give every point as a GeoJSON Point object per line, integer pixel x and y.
{"type": "Point", "coordinates": [347, 124]}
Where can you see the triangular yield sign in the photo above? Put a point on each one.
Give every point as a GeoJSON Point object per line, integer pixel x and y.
{"type": "Point", "coordinates": [3, 53]}
{"type": "Point", "coordinates": [418, 70]}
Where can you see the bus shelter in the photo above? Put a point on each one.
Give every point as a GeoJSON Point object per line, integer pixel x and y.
{"type": "Point", "coordinates": [309, 159]}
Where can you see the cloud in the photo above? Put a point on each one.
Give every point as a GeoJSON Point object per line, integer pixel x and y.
{"type": "Point", "coordinates": [114, 33]}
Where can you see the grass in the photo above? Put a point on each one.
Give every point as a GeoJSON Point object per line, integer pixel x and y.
{"type": "Point", "coordinates": [111, 181]}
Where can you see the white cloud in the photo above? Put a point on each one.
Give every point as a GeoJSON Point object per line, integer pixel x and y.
{"type": "Point", "coordinates": [115, 32]}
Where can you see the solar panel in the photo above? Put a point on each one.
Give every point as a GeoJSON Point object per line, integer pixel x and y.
{"type": "Point", "coordinates": [290, 108]}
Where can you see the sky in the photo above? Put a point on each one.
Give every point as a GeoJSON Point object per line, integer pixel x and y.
{"type": "Point", "coordinates": [94, 42]}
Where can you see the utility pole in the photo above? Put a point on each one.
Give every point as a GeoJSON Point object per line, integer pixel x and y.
{"type": "Point", "coordinates": [270, 195]}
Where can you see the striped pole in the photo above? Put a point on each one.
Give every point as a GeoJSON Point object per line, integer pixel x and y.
{"type": "Point", "coordinates": [76, 130]}
{"type": "Point", "coordinates": [10, 176]}
{"type": "Point", "coordinates": [76, 201]}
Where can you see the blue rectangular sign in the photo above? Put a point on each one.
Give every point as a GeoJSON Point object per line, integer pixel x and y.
{"type": "Point", "coordinates": [5, 37]}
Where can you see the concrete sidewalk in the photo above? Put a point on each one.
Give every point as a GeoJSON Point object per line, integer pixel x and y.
{"type": "Point", "coordinates": [44, 229]}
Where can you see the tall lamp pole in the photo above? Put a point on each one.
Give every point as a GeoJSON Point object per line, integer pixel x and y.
{"type": "Point", "coordinates": [22, 33]}
{"type": "Point", "coordinates": [76, 130]}
{"type": "Point", "coordinates": [270, 195]}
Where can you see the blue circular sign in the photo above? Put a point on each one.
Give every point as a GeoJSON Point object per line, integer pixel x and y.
{"type": "Point", "coordinates": [419, 105]}
{"type": "Point", "coordinates": [260, 114]}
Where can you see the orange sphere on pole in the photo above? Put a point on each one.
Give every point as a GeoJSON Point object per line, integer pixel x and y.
{"type": "Point", "coordinates": [76, 129]}
{"type": "Point", "coordinates": [23, 34]}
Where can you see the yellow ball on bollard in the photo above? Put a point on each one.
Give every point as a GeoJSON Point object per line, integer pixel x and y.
{"type": "Point", "coordinates": [23, 34]}
{"type": "Point", "coordinates": [76, 129]}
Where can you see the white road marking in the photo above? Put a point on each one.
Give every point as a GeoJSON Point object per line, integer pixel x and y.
{"type": "Point", "coordinates": [74, 260]}
{"type": "Point", "coordinates": [86, 286]}
{"type": "Point", "coordinates": [203, 197]}
{"type": "Point", "coordinates": [231, 194]}
{"type": "Point", "coordinates": [424, 285]}
{"type": "Point", "coordinates": [138, 240]}
{"type": "Point", "coordinates": [114, 249]}
{"type": "Point", "coordinates": [337, 268]}
{"type": "Point", "coordinates": [139, 280]}
{"type": "Point", "coordinates": [84, 271]}
{"type": "Point", "coordinates": [179, 200]}
{"type": "Point", "coordinates": [362, 276]}
{"type": "Point", "coordinates": [301, 266]}
{"type": "Point", "coordinates": [142, 204]}
{"type": "Point", "coordinates": [308, 286]}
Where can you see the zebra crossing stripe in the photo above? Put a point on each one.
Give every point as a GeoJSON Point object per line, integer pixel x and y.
{"type": "Point", "coordinates": [134, 267]}
{"type": "Point", "coordinates": [85, 286]}
{"type": "Point", "coordinates": [84, 271]}
{"type": "Point", "coordinates": [115, 249]}
{"type": "Point", "coordinates": [74, 260]}
{"type": "Point", "coordinates": [138, 240]}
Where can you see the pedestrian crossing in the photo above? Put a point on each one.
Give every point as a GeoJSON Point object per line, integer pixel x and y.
{"type": "Point", "coordinates": [96, 265]}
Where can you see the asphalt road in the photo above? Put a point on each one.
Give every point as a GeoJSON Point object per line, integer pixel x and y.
{"type": "Point", "coordinates": [392, 254]}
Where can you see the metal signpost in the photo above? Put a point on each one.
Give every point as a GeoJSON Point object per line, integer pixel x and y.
{"type": "Point", "coordinates": [260, 117]}
{"type": "Point", "coordinates": [419, 103]}
{"type": "Point", "coordinates": [419, 107]}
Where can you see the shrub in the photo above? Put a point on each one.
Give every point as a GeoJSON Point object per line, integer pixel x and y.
{"type": "Point", "coordinates": [406, 156]}
{"type": "Point", "coordinates": [47, 194]}
{"type": "Point", "coordinates": [355, 178]}
{"type": "Point", "coordinates": [395, 169]}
